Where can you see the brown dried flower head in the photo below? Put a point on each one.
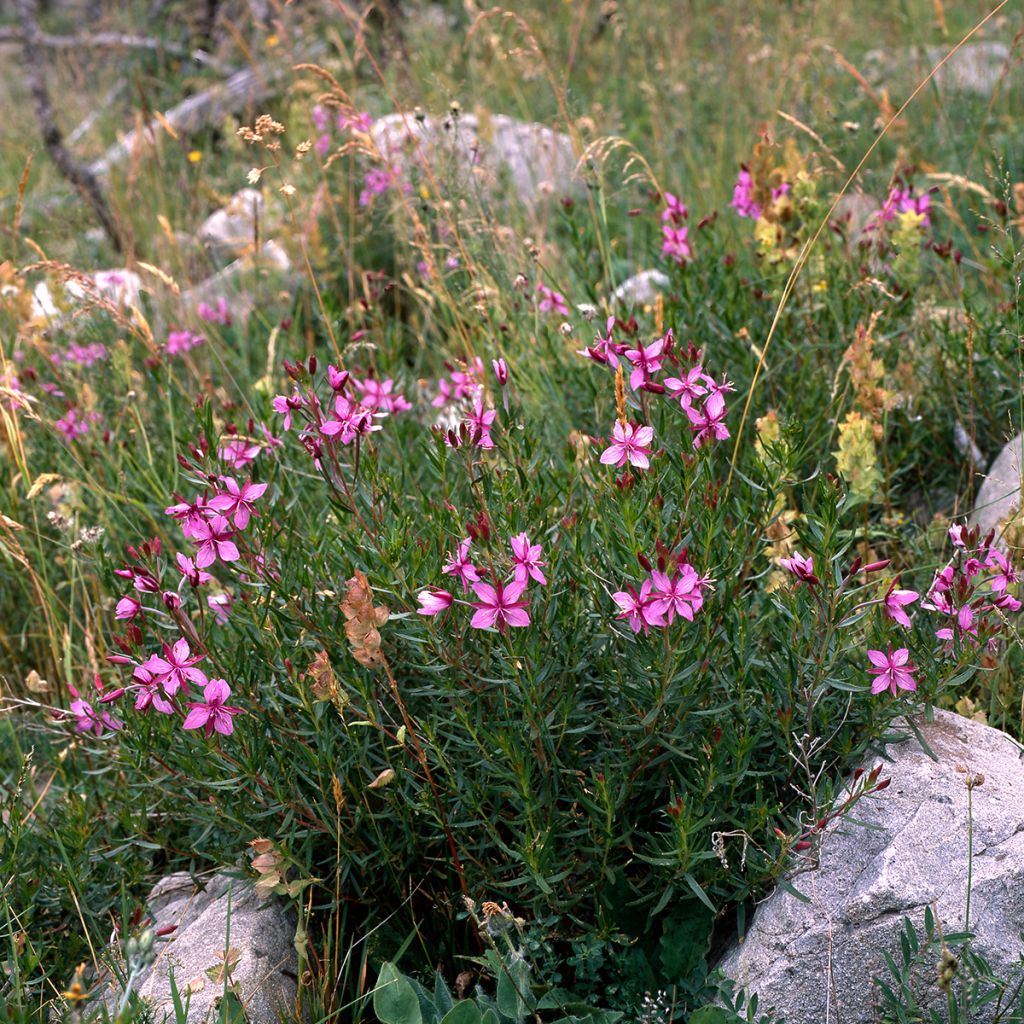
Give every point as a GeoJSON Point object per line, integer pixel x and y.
{"type": "Point", "coordinates": [362, 621]}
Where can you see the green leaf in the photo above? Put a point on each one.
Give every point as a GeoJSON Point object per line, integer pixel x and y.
{"type": "Point", "coordinates": [513, 989]}
{"type": "Point", "coordinates": [394, 999]}
{"type": "Point", "coordinates": [792, 890]}
{"type": "Point", "coordinates": [714, 1015]}
{"type": "Point", "coordinates": [465, 1012]}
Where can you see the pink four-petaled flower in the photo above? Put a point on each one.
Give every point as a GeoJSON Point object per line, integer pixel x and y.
{"type": "Point", "coordinates": [500, 605]}
{"type": "Point", "coordinates": [892, 671]}
{"type": "Point", "coordinates": [630, 444]}
{"type": "Point", "coordinates": [213, 713]}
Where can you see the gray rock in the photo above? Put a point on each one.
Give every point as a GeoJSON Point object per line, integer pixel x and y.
{"type": "Point", "coordinates": [641, 288]}
{"type": "Point", "coordinates": [999, 496]}
{"type": "Point", "coordinates": [235, 227]}
{"type": "Point", "coordinates": [976, 67]}
{"type": "Point", "coordinates": [261, 931]}
{"type": "Point", "coordinates": [813, 962]}
{"type": "Point", "coordinates": [479, 152]}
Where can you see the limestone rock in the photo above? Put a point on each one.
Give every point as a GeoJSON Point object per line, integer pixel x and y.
{"type": "Point", "coordinates": [642, 288]}
{"type": "Point", "coordinates": [261, 931]}
{"type": "Point", "coordinates": [480, 151]}
{"type": "Point", "coordinates": [241, 283]}
{"type": "Point", "coordinates": [237, 225]}
{"type": "Point", "coordinates": [120, 286]}
{"type": "Point", "coordinates": [976, 67]}
{"type": "Point", "coordinates": [1000, 493]}
{"type": "Point", "coordinates": [813, 961]}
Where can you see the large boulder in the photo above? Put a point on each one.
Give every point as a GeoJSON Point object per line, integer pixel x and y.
{"type": "Point", "coordinates": [999, 497]}
{"type": "Point", "coordinates": [480, 151]}
{"type": "Point", "coordinates": [238, 225]}
{"type": "Point", "coordinates": [814, 961]}
{"type": "Point", "coordinates": [227, 917]}
{"type": "Point", "coordinates": [977, 67]}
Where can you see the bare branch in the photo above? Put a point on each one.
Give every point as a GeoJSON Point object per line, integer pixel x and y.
{"type": "Point", "coordinates": [113, 41]}
{"type": "Point", "coordinates": [82, 178]}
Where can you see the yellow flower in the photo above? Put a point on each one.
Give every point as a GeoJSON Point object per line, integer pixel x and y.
{"type": "Point", "coordinates": [272, 41]}
{"type": "Point", "coordinates": [194, 156]}
{"type": "Point", "coordinates": [77, 992]}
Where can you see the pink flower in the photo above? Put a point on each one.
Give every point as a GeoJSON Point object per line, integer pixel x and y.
{"type": "Point", "coordinates": [176, 669]}
{"type": "Point", "coordinates": [965, 626]}
{"type": "Point", "coordinates": [214, 539]}
{"type": "Point", "coordinates": [189, 514]}
{"type": "Point", "coordinates": [127, 608]}
{"type": "Point", "coordinates": [688, 387]}
{"type": "Point", "coordinates": [459, 565]}
{"type": "Point", "coordinates": [639, 608]}
{"type": "Point", "coordinates": [71, 426]}
{"type": "Point", "coordinates": [551, 301]}
{"type": "Point", "coordinates": [285, 404]}
{"type": "Point", "coordinates": [433, 601]}
{"type": "Point", "coordinates": [674, 243]}
{"type": "Point", "coordinates": [894, 602]}
{"type": "Point", "coordinates": [180, 342]}
{"type": "Point", "coordinates": [892, 671]}
{"type": "Point", "coordinates": [1006, 574]}
{"type": "Point", "coordinates": [500, 606]}
{"type": "Point", "coordinates": [645, 361]}
{"type": "Point", "coordinates": [87, 719]}
{"type": "Point", "coordinates": [604, 349]}
{"type": "Point", "coordinates": [743, 196]}
{"type": "Point", "coordinates": [679, 594]}
{"type": "Point", "coordinates": [707, 422]}
{"type": "Point", "coordinates": [802, 568]}
{"type": "Point", "coordinates": [500, 371]}
{"type": "Point", "coordinates": [148, 692]}
{"type": "Point", "coordinates": [190, 571]}
{"type": "Point", "coordinates": [527, 560]}
{"type": "Point", "coordinates": [377, 395]}
{"type": "Point", "coordinates": [956, 535]}
{"type": "Point", "coordinates": [220, 605]}
{"type": "Point", "coordinates": [213, 713]}
{"type": "Point", "coordinates": [675, 210]}
{"type": "Point", "coordinates": [216, 315]}
{"type": "Point", "coordinates": [237, 501]}
{"type": "Point", "coordinates": [239, 452]}
{"type": "Point", "coordinates": [480, 422]}
{"type": "Point", "coordinates": [629, 444]}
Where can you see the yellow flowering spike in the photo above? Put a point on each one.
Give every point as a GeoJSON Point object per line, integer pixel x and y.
{"type": "Point", "coordinates": [857, 457]}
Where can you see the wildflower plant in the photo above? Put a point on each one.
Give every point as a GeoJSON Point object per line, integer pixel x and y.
{"type": "Point", "coordinates": [459, 575]}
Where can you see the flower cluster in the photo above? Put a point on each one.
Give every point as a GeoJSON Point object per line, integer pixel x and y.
{"type": "Point", "coordinates": [902, 201]}
{"type": "Point", "coordinates": [743, 201]}
{"type": "Point", "coordinates": [550, 301]}
{"type": "Point", "coordinates": [700, 396]}
{"type": "Point", "coordinates": [180, 342]}
{"type": "Point", "coordinates": [500, 603]}
{"type": "Point", "coordinates": [672, 589]}
{"type": "Point", "coordinates": [346, 120]}
{"type": "Point", "coordinates": [219, 314]}
{"type": "Point", "coordinates": [163, 681]}
{"type": "Point", "coordinates": [74, 424]}
{"type": "Point", "coordinates": [674, 242]}
{"type": "Point", "coordinates": [972, 591]}
{"type": "Point", "coordinates": [351, 411]}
